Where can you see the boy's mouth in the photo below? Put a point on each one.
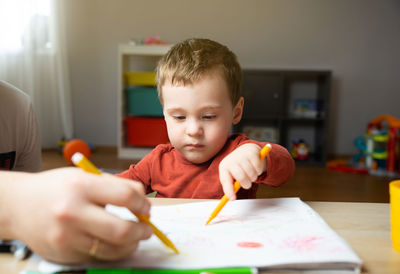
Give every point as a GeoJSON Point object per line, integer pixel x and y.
{"type": "Point", "coordinates": [194, 146]}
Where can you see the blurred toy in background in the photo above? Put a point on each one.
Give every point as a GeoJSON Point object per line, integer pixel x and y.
{"type": "Point", "coordinates": [149, 40]}
{"type": "Point", "coordinates": [382, 145]}
{"type": "Point", "coordinates": [68, 148]}
{"type": "Point", "coordinates": [379, 149]}
{"type": "Point", "coordinates": [300, 150]}
{"type": "Point", "coordinates": [373, 152]}
{"type": "Point", "coordinates": [262, 134]}
{"type": "Point", "coordinates": [154, 40]}
{"type": "Point", "coordinates": [60, 144]}
{"type": "Point", "coordinates": [305, 108]}
{"type": "Point", "coordinates": [344, 165]}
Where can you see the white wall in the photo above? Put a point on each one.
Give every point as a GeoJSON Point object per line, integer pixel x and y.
{"type": "Point", "coordinates": [358, 40]}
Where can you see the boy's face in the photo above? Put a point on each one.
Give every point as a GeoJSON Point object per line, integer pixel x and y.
{"type": "Point", "coordinates": [199, 116]}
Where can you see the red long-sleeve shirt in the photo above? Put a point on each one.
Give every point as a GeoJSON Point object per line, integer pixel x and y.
{"type": "Point", "coordinates": [166, 171]}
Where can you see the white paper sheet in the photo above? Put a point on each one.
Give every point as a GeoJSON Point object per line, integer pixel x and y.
{"type": "Point", "coordinates": [261, 233]}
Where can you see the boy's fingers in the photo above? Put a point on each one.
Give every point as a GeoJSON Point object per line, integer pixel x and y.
{"type": "Point", "coordinates": [258, 165]}
{"type": "Point", "coordinates": [108, 189]}
{"type": "Point", "coordinates": [248, 173]}
{"type": "Point", "coordinates": [239, 174]}
{"type": "Point", "coordinates": [227, 184]}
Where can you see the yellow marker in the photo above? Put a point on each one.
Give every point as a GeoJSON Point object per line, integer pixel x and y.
{"type": "Point", "coordinates": [236, 186]}
{"type": "Point", "coordinates": [81, 161]}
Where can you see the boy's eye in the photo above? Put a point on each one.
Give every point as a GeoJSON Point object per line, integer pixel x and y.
{"type": "Point", "coordinates": [209, 117]}
{"type": "Point", "coordinates": [179, 117]}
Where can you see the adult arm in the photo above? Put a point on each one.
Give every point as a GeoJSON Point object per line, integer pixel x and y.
{"type": "Point", "coordinates": [30, 154]}
{"type": "Point", "coordinates": [60, 213]}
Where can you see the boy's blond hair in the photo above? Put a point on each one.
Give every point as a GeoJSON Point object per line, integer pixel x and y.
{"type": "Point", "coordinates": [189, 60]}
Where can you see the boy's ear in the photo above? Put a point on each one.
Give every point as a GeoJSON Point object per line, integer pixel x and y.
{"type": "Point", "coordinates": [238, 111]}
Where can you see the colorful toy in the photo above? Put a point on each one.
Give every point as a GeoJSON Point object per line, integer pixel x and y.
{"type": "Point", "coordinates": [305, 108]}
{"type": "Point", "coordinates": [154, 40]}
{"type": "Point", "coordinates": [391, 140]}
{"type": "Point", "coordinates": [300, 150]}
{"type": "Point", "coordinates": [75, 145]}
{"type": "Point", "coordinates": [343, 165]}
{"type": "Point", "coordinates": [378, 149]}
{"type": "Point", "coordinates": [60, 145]}
{"type": "Point", "coordinates": [148, 40]}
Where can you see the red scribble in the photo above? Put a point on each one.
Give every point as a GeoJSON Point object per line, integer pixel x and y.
{"type": "Point", "coordinates": [300, 244]}
{"type": "Point", "coordinates": [250, 244]}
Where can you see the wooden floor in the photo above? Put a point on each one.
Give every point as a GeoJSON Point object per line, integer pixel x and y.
{"type": "Point", "coordinates": [308, 183]}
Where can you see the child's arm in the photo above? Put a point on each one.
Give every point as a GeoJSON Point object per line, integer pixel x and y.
{"type": "Point", "coordinates": [244, 165]}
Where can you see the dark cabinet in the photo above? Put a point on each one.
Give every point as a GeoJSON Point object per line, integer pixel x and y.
{"type": "Point", "coordinates": [288, 107]}
{"type": "Point", "coordinates": [269, 86]}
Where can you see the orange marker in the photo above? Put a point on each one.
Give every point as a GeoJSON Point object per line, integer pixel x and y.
{"type": "Point", "coordinates": [81, 161]}
{"type": "Point", "coordinates": [236, 186]}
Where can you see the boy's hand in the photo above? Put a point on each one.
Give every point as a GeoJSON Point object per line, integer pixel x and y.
{"type": "Point", "coordinates": [243, 165]}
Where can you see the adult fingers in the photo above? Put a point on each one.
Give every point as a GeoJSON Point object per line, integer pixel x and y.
{"type": "Point", "coordinates": [109, 189]}
{"type": "Point", "coordinates": [95, 220]}
{"type": "Point", "coordinates": [108, 252]}
{"type": "Point", "coordinates": [86, 247]}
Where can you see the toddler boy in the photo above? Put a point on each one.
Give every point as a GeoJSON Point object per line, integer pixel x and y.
{"type": "Point", "coordinates": [199, 83]}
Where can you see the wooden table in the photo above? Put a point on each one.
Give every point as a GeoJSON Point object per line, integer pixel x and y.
{"type": "Point", "coordinates": [365, 226]}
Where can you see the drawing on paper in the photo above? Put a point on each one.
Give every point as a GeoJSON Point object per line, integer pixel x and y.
{"type": "Point", "coordinates": [301, 243]}
{"type": "Point", "coordinates": [285, 230]}
{"type": "Point", "coordinates": [250, 244]}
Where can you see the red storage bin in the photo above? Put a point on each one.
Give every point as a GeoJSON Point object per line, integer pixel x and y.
{"type": "Point", "coordinates": [144, 131]}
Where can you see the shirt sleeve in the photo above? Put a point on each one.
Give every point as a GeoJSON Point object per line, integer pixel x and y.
{"type": "Point", "coordinates": [141, 171]}
{"type": "Point", "coordinates": [280, 166]}
{"type": "Point", "coordinates": [30, 158]}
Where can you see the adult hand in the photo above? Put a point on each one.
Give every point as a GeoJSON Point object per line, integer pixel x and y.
{"type": "Point", "coordinates": [243, 165]}
{"type": "Point", "coordinates": [60, 215]}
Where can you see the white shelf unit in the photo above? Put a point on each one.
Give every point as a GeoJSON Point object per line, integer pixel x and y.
{"type": "Point", "coordinates": [133, 58]}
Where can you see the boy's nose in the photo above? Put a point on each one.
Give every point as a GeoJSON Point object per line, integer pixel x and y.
{"type": "Point", "coordinates": [193, 127]}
